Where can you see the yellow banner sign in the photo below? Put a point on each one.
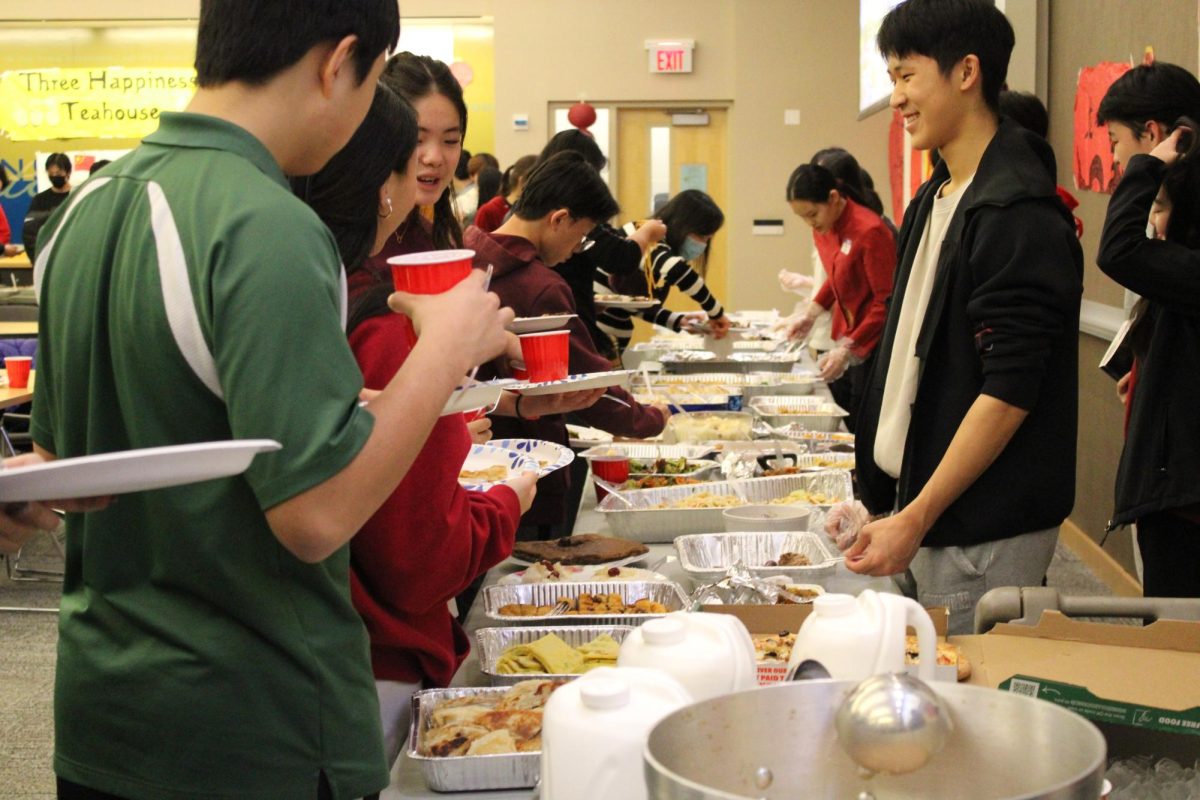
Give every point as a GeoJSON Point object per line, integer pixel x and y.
{"type": "Point", "coordinates": [90, 102]}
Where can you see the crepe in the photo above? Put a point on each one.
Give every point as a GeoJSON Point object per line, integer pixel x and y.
{"type": "Point", "coordinates": [550, 655]}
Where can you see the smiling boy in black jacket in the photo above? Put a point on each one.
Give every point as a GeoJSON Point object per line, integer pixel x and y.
{"type": "Point", "coordinates": [968, 425]}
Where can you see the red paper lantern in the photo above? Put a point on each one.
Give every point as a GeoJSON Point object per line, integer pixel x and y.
{"type": "Point", "coordinates": [581, 115]}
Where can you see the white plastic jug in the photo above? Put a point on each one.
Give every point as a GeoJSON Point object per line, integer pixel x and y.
{"type": "Point", "coordinates": [857, 637]}
{"type": "Point", "coordinates": [710, 654]}
{"type": "Point", "coordinates": [594, 732]}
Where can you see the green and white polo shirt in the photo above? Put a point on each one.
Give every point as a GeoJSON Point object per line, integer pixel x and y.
{"type": "Point", "coordinates": [197, 657]}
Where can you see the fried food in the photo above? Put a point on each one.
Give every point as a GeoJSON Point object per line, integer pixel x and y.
{"type": "Point", "coordinates": [496, 472]}
{"type": "Point", "coordinates": [773, 646]}
{"type": "Point", "coordinates": [947, 655]}
{"type": "Point", "coordinates": [586, 548]}
{"type": "Point", "coordinates": [550, 655]}
{"type": "Point", "coordinates": [489, 724]}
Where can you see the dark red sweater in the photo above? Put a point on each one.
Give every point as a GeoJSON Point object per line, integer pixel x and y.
{"type": "Point", "coordinates": [532, 289]}
{"type": "Point", "coordinates": [427, 542]}
{"type": "Point", "coordinates": [492, 213]}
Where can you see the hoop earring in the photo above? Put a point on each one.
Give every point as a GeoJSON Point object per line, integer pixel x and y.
{"type": "Point", "coordinates": [388, 200]}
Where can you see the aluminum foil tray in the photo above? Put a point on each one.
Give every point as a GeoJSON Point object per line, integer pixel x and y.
{"type": "Point", "coordinates": [494, 641]}
{"type": "Point", "coordinates": [642, 451]}
{"type": "Point", "coordinates": [467, 773]}
{"type": "Point", "coordinates": [547, 594]}
{"type": "Point", "coordinates": [818, 414]}
{"type": "Point", "coordinates": [706, 556]}
{"type": "Point", "coordinates": [645, 522]}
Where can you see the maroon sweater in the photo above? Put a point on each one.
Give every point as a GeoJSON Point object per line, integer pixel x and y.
{"type": "Point", "coordinates": [532, 289]}
{"type": "Point", "coordinates": [427, 542]}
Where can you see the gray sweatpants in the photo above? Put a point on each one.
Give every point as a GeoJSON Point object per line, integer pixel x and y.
{"type": "Point", "coordinates": [956, 577]}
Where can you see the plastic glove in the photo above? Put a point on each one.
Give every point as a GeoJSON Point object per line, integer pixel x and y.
{"type": "Point", "coordinates": [844, 521]}
{"type": "Point", "coordinates": [795, 282]}
{"type": "Point", "coordinates": [833, 364]}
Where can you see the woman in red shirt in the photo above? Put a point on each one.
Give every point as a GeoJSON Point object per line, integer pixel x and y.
{"type": "Point", "coordinates": [858, 252]}
{"type": "Point", "coordinates": [492, 213]}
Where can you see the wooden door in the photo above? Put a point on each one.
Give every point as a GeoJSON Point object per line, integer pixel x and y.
{"type": "Point", "coordinates": [697, 160]}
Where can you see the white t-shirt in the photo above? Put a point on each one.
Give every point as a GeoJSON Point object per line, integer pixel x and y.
{"type": "Point", "coordinates": [904, 368]}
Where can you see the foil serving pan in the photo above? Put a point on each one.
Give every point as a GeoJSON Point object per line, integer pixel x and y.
{"type": "Point", "coordinates": [669, 594]}
{"type": "Point", "coordinates": [707, 556]}
{"type": "Point", "coordinates": [494, 641]}
{"type": "Point", "coordinates": [466, 773]}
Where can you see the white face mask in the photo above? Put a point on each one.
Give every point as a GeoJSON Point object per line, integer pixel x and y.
{"type": "Point", "coordinates": [691, 249]}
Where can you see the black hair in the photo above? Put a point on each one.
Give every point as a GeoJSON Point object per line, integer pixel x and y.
{"type": "Point", "coordinates": [1182, 187]}
{"type": "Point", "coordinates": [565, 180]}
{"type": "Point", "coordinates": [4, 181]}
{"type": "Point", "coordinates": [853, 180]}
{"type": "Point", "coordinates": [99, 165]}
{"type": "Point", "coordinates": [1160, 92]}
{"type": "Point", "coordinates": [488, 182]}
{"type": "Point", "coordinates": [60, 160]}
{"type": "Point", "coordinates": [811, 182]}
{"type": "Point", "coordinates": [1027, 110]}
{"type": "Point", "coordinates": [577, 141]}
{"type": "Point", "coordinates": [462, 169]}
{"type": "Point", "coordinates": [691, 212]}
{"type": "Point", "coordinates": [345, 192]}
{"type": "Point", "coordinates": [516, 171]}
{"type": "Point", "coordinates": [948, 31]}
{"type": "Point", "coordinates": [414, 77]}
{"type": "Point", "coordinates": [253, 42]}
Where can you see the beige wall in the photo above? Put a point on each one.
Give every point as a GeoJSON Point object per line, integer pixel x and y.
{"type": "Point", "coordinates": [1084, 32]}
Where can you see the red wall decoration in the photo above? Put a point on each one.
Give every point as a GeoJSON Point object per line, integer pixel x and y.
{"type": "Point", "coordinates": [1094, 168]}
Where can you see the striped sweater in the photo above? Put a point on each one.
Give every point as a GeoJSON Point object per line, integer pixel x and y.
{"type": "Point", "coordinates": [664, 269]}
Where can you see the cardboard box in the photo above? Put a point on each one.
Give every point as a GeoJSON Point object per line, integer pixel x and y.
{"type": "Point", "coordinates": [1140, 685]}
{"type": "Point", "coordinates": [788, 618]}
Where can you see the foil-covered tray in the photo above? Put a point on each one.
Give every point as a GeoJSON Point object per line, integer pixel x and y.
{"type": "Point", "coordinates": [494, 641]}
{"type": "Point", "coordinates": [642, 519]}
{"type": "Point", "coordinates": [670, 595]}
{"type": "Point", "coordinates": [649, 450]}
{"type": "Point", "coordinates": [813, 413]}
{"type": "Point", "coordinates": [467, 773]}
{"type": "Point", "coordinates": [707, 556]}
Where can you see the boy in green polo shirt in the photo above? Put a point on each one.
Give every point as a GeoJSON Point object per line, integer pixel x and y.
{"type": "Point", "coordinates": [207, 644]}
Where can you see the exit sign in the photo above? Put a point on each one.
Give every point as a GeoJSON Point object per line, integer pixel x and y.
{"type": "Point", "coordinates": [669, 56]}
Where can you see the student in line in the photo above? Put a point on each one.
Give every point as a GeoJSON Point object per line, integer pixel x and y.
{"type": "Point", "coordinates": [1157, 482]}
{"type": "Point", "coordinates": [492, 213]}
{"type": "Point", "coordinates": [1028, 111]}
{"type": "Point", "coordinates": [691, 219]}
{"type": "Point", "coordinates": [968, 426]}
{"type": "Point", "coordinates": [564, 198]}
{"type": "Point", "coordinates": [858, 254]}
{"type": "Point", "coordinates": [208, 646]}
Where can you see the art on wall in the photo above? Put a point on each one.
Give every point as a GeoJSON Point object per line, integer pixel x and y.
{"type": "Point", "coordinates": [1094, 167]}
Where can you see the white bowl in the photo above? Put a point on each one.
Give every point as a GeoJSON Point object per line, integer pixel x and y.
{"type": "Point", "coordinates": [767, 518]}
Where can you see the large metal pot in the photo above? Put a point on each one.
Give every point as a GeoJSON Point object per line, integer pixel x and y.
{"type": "Point", "coordinates": [779, 743]}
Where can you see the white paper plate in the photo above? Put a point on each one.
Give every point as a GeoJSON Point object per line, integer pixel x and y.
{"type": "Point", "coordinates": [480, 395]}
{"type": "Point", "coordinates": [130, 470]}
{"type": "Point", "coordinates": [587, 573]}
{"type": "Point", "coordinates": [483, 456]}
{"type": "Point", "coordinates": [538, 324]}
{"type": "Point", "coordinates": [582, 436]}
{"type": "Point", "coordinates": [549, 455]}
{"type": "Point", "coordinates": [628, 304]}
{"type": "Point", "coordinates": [576, 383]}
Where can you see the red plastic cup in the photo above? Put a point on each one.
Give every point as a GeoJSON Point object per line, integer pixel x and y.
{"type": "Point", "coordinates": [475, 414]}
{"type": "Point", "coordinates": [546, 355]}
{"type": "Point", "coordinates": [18, 371]}
{"type": "Point", "coordinates": [432, 272]}
{"type": "Point", "coordinates": [614, 469]}
{"type": "Point", "coordinates": [519, 372]}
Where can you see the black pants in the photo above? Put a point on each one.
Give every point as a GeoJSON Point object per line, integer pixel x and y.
{"type": "Point", "coordinates": [1170, 548]}
{"type": "Point", "coordinates": [849, 389]}
{"type": "Point", "coordinates": [73, 791]}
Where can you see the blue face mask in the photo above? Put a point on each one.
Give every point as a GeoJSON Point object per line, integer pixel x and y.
{"type": "Point", "coordinates": [692, 249]}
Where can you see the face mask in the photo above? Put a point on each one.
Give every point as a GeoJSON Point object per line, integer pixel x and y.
{"type": "Point", "coordinates": [692, 249]}
{"type": "Point", "coordinates": [58, 181]}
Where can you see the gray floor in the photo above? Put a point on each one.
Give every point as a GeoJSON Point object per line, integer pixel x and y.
{"type": "Point", "coordinates": [27, 652]}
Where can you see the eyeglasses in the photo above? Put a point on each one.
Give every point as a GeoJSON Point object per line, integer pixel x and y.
{"type": "Point", "coordinates": [584, 245]}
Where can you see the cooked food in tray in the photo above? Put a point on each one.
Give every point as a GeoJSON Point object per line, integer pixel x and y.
{"type": "Point", "coordinates": [804, 496]}
{"type": "Point", "coordinates": [773, 646]}
{"type": "Point", "coordinates": [558, 572]}
{"type": "Point", "coordinates": [658, 481]}
{"type": "Point", "coordinates": [947, 655]}
{"type": "Point", "coordinates": [663, 466]}
{"type": "Point", "coordinates": [705, 500]}
{"type": "Point", "coordinates": [587, 548]}
{"type": "Point", "coordinates": [789, 560]}
{"type": "Point", "coordinates": [488, 724]}
{"type": "Point", "coordinates": [550, 655]}
{"type": "Point", "coordinates": [586, 604]}
{"type": "Point", "coordinates": [496, 472]}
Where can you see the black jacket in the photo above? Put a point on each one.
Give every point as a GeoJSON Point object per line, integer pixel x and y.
{"type": "Point", "coordinates": [1160, 465]}
{"type": "Point", "coordinates": [614, 253]}
{"type": "Point", "coordinates": [1003, 320]}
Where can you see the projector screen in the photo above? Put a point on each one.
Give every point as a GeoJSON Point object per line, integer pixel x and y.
{"type": "Point", "coordinates": [874, 88]}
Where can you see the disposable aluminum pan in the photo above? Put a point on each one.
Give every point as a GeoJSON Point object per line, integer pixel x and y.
{"type": "Point", "coordinates": [815, 414]}
{"type": "Point", "coordinates": [706, 556]}
{"type": "Point", "coordinates": [467, 773]}
{"type": "Point", "coordinates": [494, 641]}
{"type": "Point", "coordinates": [644, 521]}
{"type": "Point", "coordinates": [643, 451]}
{"type": "Point", "coordinates": [668, 594]}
